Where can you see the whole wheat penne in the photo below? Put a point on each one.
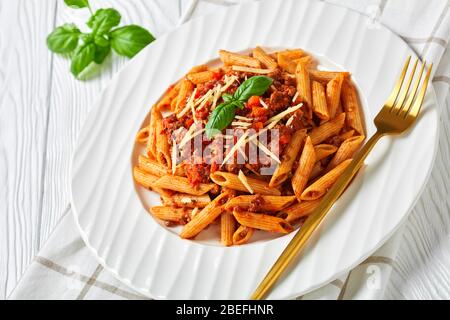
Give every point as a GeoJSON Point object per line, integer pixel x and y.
{"type": "Point", "coordinates": [227, 228]}
{"type": "Point", "coordinates": [242, 235]}
{"type": "Point", "coordinates": [346, 150]}
{"type": "Point", "coordinates": [152, 166]}
{"type": "Point", "coordinates": [298, 210]}
{"type": "Point", "coordinates": [155, 117]}
{"type": "Point", "coordinates": [319, 187]}
{"type": "Point", "coordinates": [305, 166]}
{"type": "Point", "coordinates": [306, 60]}
{"type": "Point", "coordinates": [334, 94]}
{"type": "Point", "coordinates": [144, 178]}
{"type": "Point", "coordinates": [316, 171]}
{"type": "Point", "coordinates": [199, 68]}
{"type": "Point", "coordinates": [266, 60]}
{"type": "Point", "coordinates": [319, 99]}
{"type": "Point", "coordinates": [262, 221]}
{"type": "Point", "coordinates": [286, 63]}
{"type": "Point", "coordinates": [327, 130]}
{"type": "Point", "coordinates": [186, 89]}
{"type": "Point", "coordinates": [346, 135]}
{"type": "Point", "coordinates": [283, 170]}
{"type": "Point", "coordinates": [200, 77]}
{"type": "Point", "coordinates": [251, 70]}
{"type": "Point", "coordinates": [231, 181]}
{"type": "Point", "coordinates": [304, 86]}
{"type": "Point", "coordinates": [351, 106]}
{"type": "Point", "coordinates": [236, 59]}
{"type": "Point", "coordinates": [182, 185]}
{"type": "Point", "coordinates": [324, 150]}
{"type": "Point", "coordinates": [142, 135]}
{"type": "Point", "coordinates": [187, 200]}
{"type": "Point", "coordinates": [325, 76]}
{"type": "Point", "coordinates": [260, 203]}
{"type": "Point", "coordinates": [291, 53]}
{"type": "Point", "coordinates": [171, 94]}
{"type": "Point", "coordinates": [163, 155]}
{"type": "Point", "coordinates": [178, 215]}
{"type": "Point", "coordinates": [205, 217]}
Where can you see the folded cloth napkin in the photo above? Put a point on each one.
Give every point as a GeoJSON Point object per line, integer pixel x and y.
{"type": "Point", "coordinates": [66, 269]}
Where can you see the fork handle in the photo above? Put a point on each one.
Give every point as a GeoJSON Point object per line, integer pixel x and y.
{"type": "Point", "coordinates": [314, 219]}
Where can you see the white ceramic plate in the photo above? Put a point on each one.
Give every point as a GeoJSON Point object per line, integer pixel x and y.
{"type": "Point", "coordinates": [144, 254]}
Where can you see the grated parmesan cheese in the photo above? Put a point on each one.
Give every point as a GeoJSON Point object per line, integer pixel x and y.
{"type": "Point", "coordinates": [241, 142]}
{"type": "Point", "coordinates": [289, 122]}
{"type": "Point", "coordinates": [265, 106]}
{"type": "Point", "coordinates": [188, 105]}
{"type": "Point", "coordinates": [266, 150]}
{"type": "Point", "coordinates": [243, 118]}
{"type": "Point", "coordinates": [295, 97]}
{"type": "Point", "coordinates": [240, 123]}
{"type": "Point", "coordinates": [244, 181]}
{"type": "Point", "coordinates": [228, 83]}
{"type": "Point", "coordinates": [281, 115]}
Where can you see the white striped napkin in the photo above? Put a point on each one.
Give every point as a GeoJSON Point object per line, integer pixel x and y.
{"type": "Point", "coordinates": [66, 269]}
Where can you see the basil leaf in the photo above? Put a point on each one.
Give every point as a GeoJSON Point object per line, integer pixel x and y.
{"type": "Point", "coordinates": [101, 52]}
{"type": "Point", "coordinates": [77, 4]}
{"type": "Point", "coordinates": [129, 40]}
{"type": "Point", "coordinates": [64, 39]}
{"type": "Point", "coordinates": [220, 118]}
{"type": "Point", "coordinates": [254, 86]}
{"type": "Point", "coordinates": [227, 97]}
{"type": "Point", "coordinates": [104, 20]}
{"type": "Point", "coordinates": [82, 58]}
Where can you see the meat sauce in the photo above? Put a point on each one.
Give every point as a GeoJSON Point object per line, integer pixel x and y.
{"type": "Point", "coordinates": [278, 98]}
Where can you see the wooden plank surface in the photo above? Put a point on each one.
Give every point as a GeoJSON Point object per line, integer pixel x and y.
{"type": "Point", "coordinates": [25, 66]}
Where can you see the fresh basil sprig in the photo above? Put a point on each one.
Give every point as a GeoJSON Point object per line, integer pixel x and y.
{"type": "Point", "coordinates": [224, 113]}
{"type": "Point", "coordinates": [86, 48]}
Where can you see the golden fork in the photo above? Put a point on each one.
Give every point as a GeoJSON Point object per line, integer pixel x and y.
{"type": "Point", "coordinates": [398, 114]}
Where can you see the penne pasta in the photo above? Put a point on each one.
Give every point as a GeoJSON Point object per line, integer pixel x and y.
{"type": "Point", "coordinates": [352, 107]}
{"type": "Point", "coordinates": [235, 59]}
{"type": "Point", "coordinates": [283, 170]}
{"type": "Point", "coordinates": [227, 228]}
{"type": "Point", "coordinates": [186, 89]}
{"type": "Point", "coordinates": [259, 203]}
{"type": "Point", "coordinates": [286, 64]}
{"type": "Point", "coordinates": [145, 179]}
{"type": "Point", "coordinates": [319, 101]}
{"type": "Point", "coordinates": [200, 77]}
{"type": "Point", "coordinates": [334, 94]}
{"type": "Point", "coordinates": [187, 200]}
{"type": "Point", "coordinates": [170, 95]}
{"type": "Point", "coordinates": [178, 215]}
{"type": "Point", "coordinates": [305, 166]}
{"type": "Point", "coordinates": [214, 131]}
{"type": "Point", "coordinates": [266, 60]}
{"type": "Point", "coordinates": [163, 155]}
{"type": "Point", "coordinates": [346, 151]}
{"type": "Point", "coordinates": [151, 166]}
{"type": "Point", "coordinates": [232, 181]}
{"type": "Point", "coordinates": [319, 187]}
{"type": "Point", "coordinates": [155, 117]}
{"type": "Point", "coordinates": [298, 210]}
{"type": "Point", "coordinates": [324, 150]}
{"type": "Point", "coordinates": [199, 68]}
{"type": "Point", "coordinates": [182, 185]}
{"type": "Point", "coordinates": [327, 130]}
{"type": "Point", "coordinates": [325, 76]}
{"type": "Point", "coordinates": [346, 135]}
{"type": "Point", "coordinates": [142, 135]}
{"type": "Point", "coordinates": [242, 235]}
{"type": "Point", "coordinates": [262, 221]}
{"type": "Point", "coordinates": [304, 87]}
{"type": "Point", "coordinates": [206, 216]}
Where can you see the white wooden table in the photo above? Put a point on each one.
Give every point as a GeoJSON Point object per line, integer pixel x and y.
{"type": "Point", "coordinates": [42, 108]}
